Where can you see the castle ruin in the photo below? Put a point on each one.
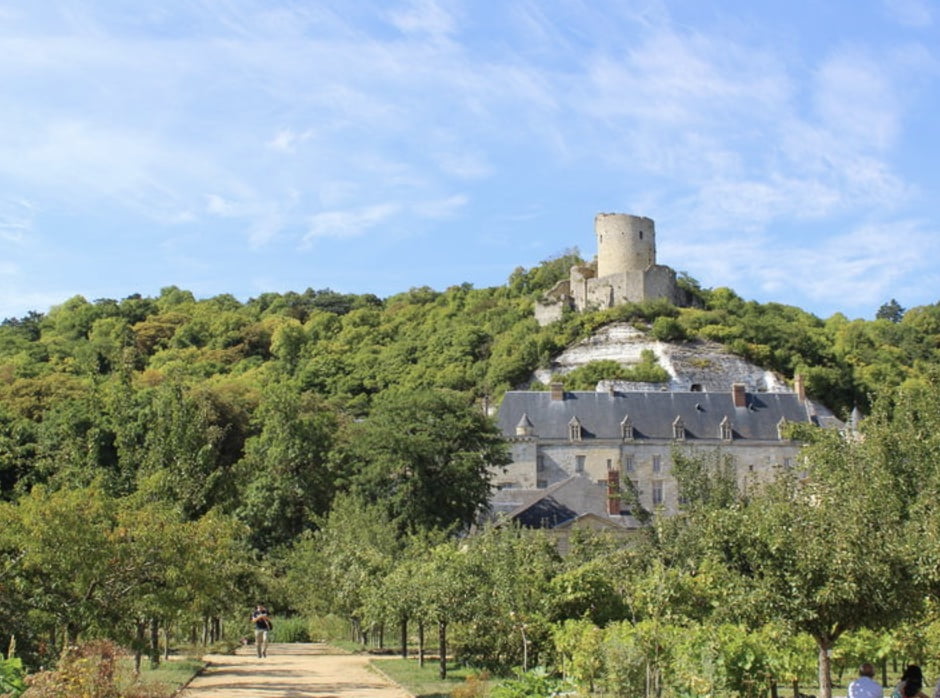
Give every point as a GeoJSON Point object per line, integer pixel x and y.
{"type": "Point", "coordinates": [624, 271]}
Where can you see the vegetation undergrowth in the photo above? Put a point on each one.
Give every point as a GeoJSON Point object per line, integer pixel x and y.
{"type": "Point", "coordinates": [424, 682]}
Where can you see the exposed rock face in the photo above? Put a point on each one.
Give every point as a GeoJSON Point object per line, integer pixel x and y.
{"type": "Point", "coordinates": [695, 365]}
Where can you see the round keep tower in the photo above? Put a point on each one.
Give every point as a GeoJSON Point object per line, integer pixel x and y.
{"type": "Point", "coordinates": [624, 243]}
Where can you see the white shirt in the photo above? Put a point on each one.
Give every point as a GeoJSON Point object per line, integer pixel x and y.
{"type": "Point", "coordinates": [864, 687]}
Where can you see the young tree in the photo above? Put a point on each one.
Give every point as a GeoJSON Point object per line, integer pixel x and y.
{"type": "Point", "coordinates": [815, 550]}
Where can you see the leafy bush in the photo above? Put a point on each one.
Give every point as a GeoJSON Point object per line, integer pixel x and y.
{"type": "Point", "coordinates": [668, 329]}
{"type": "Point", "coordinates": [536, 682]}
{"type": "Point", "coordinates": [88, 670]}
{"type": "Point", "coordinates": [329, 627]}
{"type": "Point", "coordinates": [293, 629]}
{"type": "Point", "coordinates": [587, 377]}
{"type": "Point", "coordinates": [11, 677]}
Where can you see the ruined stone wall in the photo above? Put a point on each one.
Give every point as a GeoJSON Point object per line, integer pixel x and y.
{"type": "Point", "coordinates": [660, 282]}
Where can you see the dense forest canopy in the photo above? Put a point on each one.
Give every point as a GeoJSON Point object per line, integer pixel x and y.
{"type": "Point", "coordinates": [192, 401]}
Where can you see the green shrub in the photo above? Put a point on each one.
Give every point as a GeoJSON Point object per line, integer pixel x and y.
{"type": "Point", "coordinates": [535, 682]}
{"type": "Point", "coordinates": [11, 677]}
{"type": "Point", "coordinates": [292, 629]}
{"type": "Point", "coordinates": [668, 329]}
{"type": "Point", "coordinates": [327, 628]}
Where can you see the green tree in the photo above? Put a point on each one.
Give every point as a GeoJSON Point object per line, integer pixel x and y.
{"type": "Point", "coordinates": [285, 470]}
{"type": "Point", "coordinates": [802, 547]}
{"type": "Point", "coordinates": [891, 311]}
{"type": "Point", "coordinates": [426, 456]}
{"type": "Point", "coordinates": [333, 569]}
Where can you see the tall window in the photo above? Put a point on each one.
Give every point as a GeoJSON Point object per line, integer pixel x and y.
{"type": "Point", "coordinates": [539, 463]}
{"type": "Point", "coordinates": [579, 464]}
{"type": "Point", "coordinates": [629, 465]}
{"type": "Point", "coordinates": [657, 464]}
{"type": "Point", "coordinates": [657, 492]}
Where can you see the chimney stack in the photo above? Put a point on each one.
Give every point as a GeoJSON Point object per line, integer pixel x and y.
{"type": "Point", "coordinates": [613, 492]}
{"type": "Point", "coordinates": [558, 391]}
{"type": "Point", "coordinates": [799, 387]}
{"type": "Point", "coordinates": [739, 394]}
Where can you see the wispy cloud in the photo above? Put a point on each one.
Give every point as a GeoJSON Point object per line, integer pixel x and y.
{"type": "Point", "coordinates": [16, 220]}
{"type": "Point", "coordinates": [909, 13]}
{"type": "Point", "coordinates": [442, 208]}
{"type": "Point", "coordinates": [346, 224]}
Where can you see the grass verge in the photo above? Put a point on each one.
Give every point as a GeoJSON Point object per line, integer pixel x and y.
{"type": "Point", "coordinates": [164, 681]}
{"type": "Point", "coordinates": [423, 681]}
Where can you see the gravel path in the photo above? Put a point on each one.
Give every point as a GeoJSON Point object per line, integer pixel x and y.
{"type": "Point", "coordinates": [301, 670]}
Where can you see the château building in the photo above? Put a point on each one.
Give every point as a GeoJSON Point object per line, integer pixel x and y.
{"type": "Point", "coordinates": [572, 452]}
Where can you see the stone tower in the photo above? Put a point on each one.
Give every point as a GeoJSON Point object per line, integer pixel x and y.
{"type": "Point", "coordinates": [625, 271]}
{"type": "Point", "coordinates": [624, 243]}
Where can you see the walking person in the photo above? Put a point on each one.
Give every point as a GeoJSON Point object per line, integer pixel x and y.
{"type": "Point", "coordinates": [263, 626]}
{"type": "Point", "coordinates": [912, 681]}
{"type": "Point", "coordinates": [865, 685]}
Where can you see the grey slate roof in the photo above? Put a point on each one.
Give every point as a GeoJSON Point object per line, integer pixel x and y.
{"type": "Point", "coordinates": [558, 504]}
{"type": "Point", "coordinates": [651, 413]}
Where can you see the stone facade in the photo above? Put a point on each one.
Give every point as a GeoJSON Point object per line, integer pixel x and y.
{"type": "Point", "coordinates": [611, 437]}
{"type": "Point", "coordinates": [625, 271]}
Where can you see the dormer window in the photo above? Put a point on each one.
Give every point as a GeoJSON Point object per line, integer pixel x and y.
{"type": "Point", "coordinates": [678, 429]}
{"type": "Point", "coordinates": [626, 429]}
{"type": "Point", "coordinates": [574, 429]}
{"type": "Point", "coordinates": [725, 429]}
{"type": "Point", "coordinates": [525, 426]}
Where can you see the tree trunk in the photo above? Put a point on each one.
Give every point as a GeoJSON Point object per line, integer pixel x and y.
{"type": "Point", "coordinates": [154, 643]}
{"type": "Point", "coordinates": [442, 642]}
{"type": "Point", "coordinates": [796, 689]}
{"type": "Point", "coordinates": [139, 644]}
{"type": "Point", "coordinates": [525, 649]}
{"type": "Point", "coordinates": [421, 643]}
{"type": "Point", "coordinates": [205, 631]}
{"type": "Point", "coordinates": [884, 672]}
{"type": "Point", "coordinates": [166, 641]}
{"type": "Point", "coordinates": [381, 636]}
{"type": "Point", "coordinates": [404, 638]}
{"type": "Point", "coordinates": [773, 688]}
{"type": "Point", "coordinates": [825, 668]}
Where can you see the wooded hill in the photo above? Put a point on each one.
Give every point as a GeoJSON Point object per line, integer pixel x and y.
{"type": "Point", "coordinates": [161, 458]}
{"type": "Point", "coordinates": [86, 386]}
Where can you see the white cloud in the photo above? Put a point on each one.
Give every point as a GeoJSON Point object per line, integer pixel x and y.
{"type": "Point", "coordinates": [424, 17]}
{"type": "Point", "coordinates": [286, 140]}
{"type": "Point", "coordinates": [16, 220]}
{"type": "Point", "coordinates": [441, 208]}
{"type": "Point", "coordinates": [909, 13]}
{"type": "Point", "coordinates": [857, 101]}
{"type": "Point", "coordinates": [346, 224]}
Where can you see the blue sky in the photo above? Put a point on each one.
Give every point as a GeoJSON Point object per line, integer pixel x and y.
{"type": "Point", "coordinates": [788, 149]}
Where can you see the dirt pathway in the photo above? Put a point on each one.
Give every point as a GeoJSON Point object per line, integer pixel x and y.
{"type": "Point", "coordinates": [302, 670]}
